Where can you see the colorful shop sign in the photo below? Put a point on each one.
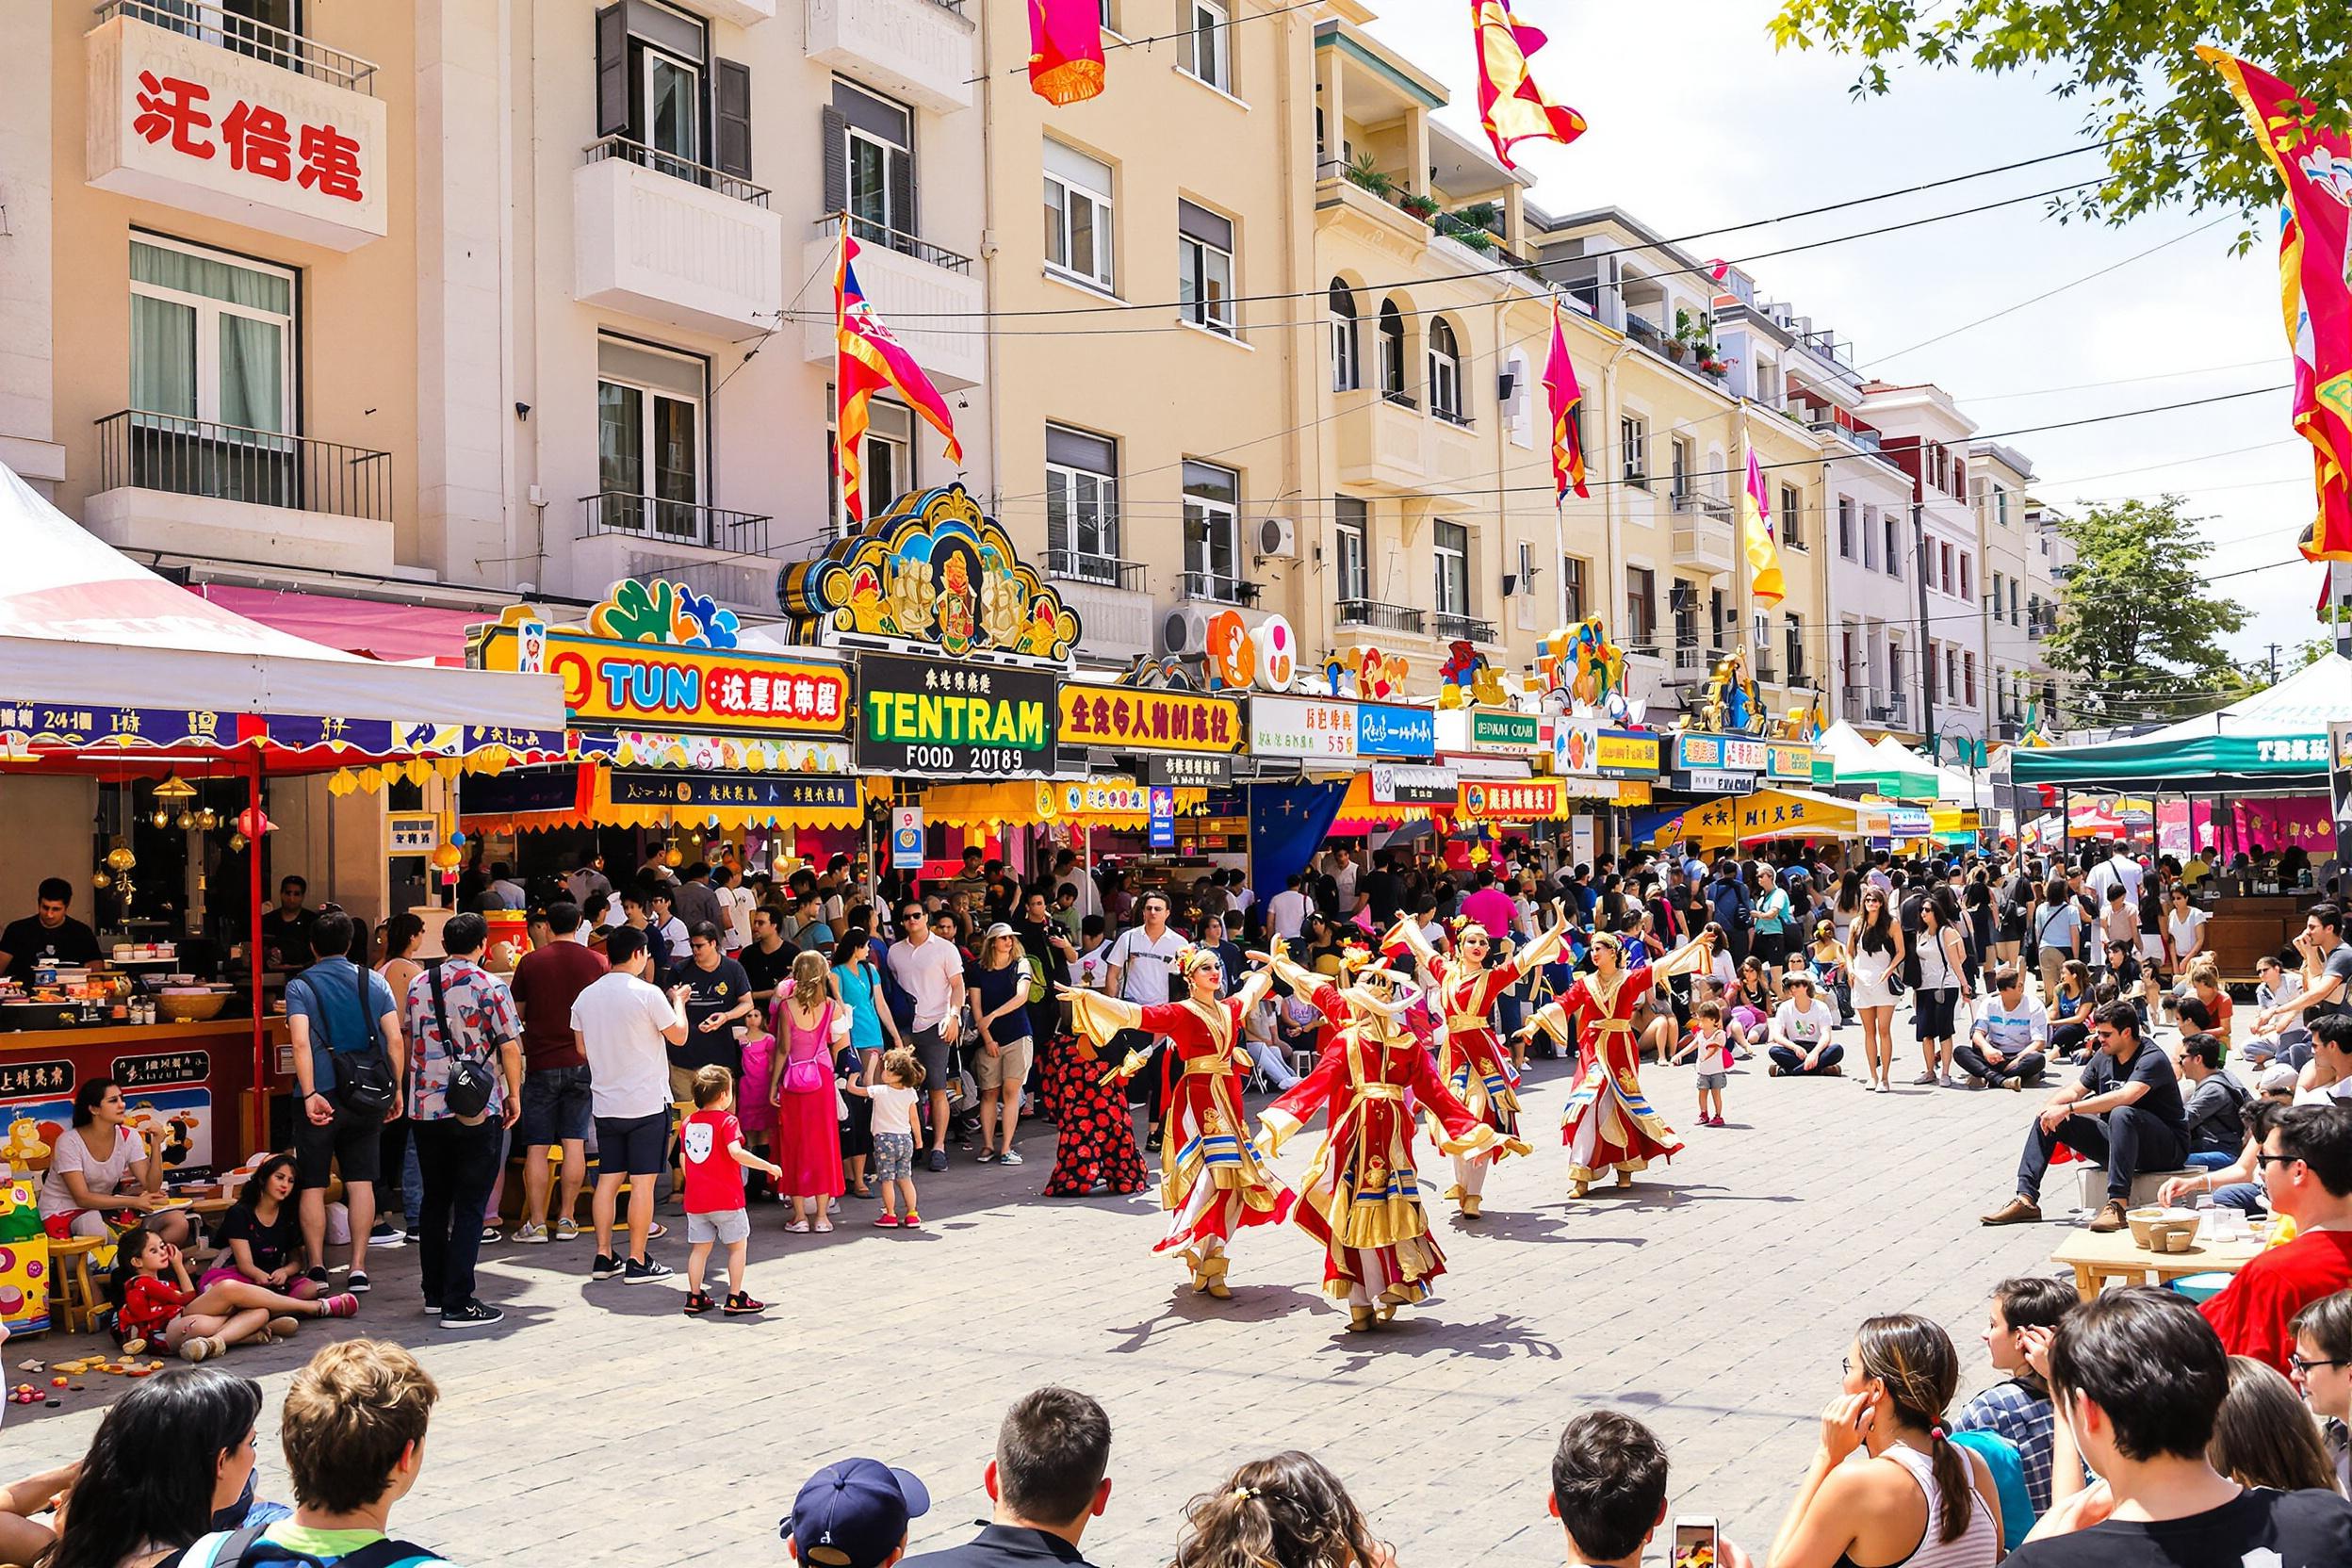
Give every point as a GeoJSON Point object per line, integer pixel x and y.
{"type": "Point", "coordinates": [750, 793]}
{"type": "Point", "coordinates": [1126, 718]}
{"type": "Point", "coordinates": [1403, 784]}
{"type": "Point", "coordinates": [1383, 729]}
{"type": "Point", "coordinates": [1502, 731]}
{"type": "Point", "coordinates": [1187, 769]}
{"type": "Point", "coordinates": [1096, 798]}
{"type": "Point", "coordinates": [1582, 747]}
{"type": "Point", "coordinates": [1705, 752]}
{"type": "Point", "coordinates": [1789, 760]}
{"type": "Point", "coordinates": [1310, 728]}
{"type": "Point", "coordinates": [930, 574]}
{"type": "Point", "coordinates": [1498, 800]}
{"type": "Point", "coordinates": [27, 727]}
{"type": "Point", "coordinates": [950, 720]}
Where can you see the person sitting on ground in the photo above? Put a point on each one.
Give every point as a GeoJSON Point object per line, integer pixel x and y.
{"type": "Point", "coordinates": [260, 1238]}
{"type": "Point", "coordinates": [2214, 1101]}
{"type": "Point", "coordinates": [102, 1165]}
{"type": "Point", "coordinates": [2070, 1013]}
{"type": "Point", "coordinates": [2124, 1112]}
{"type": "Point", "coordinates": [2322, 1368]}
{"type": "Point", "coordinates": [2007, 1047]}
{"type": "Point", "coordinates": [354, 1432]}
{"type": "Point", "coordinates": [1287, 1511]}
{"type": "Point", "coordinates": [1608, 1492]}
{"type": "Point", "coordinates": [2202, 986]}
{"type": "Point", "coordinates": [1918, 1497]}
{"type": "Point", "coordinates": [157, 1305]}
{"type": "Point", "coordinates": [2264, 1436]}
{"type": "Point", "coordinates": [2017, 1407]}
{"type": "Point", "coordinates": [1800, 1035]}
{"type": "Point", "coordinates": [2141, 1379]}
{"type": "Point", "coordinates": [2306, 1170]}
{"type": "Point", "coordinates": [2275, 986]}
{"type": "Point", "coordinates": [854, 1513]}
{"type": "Point", "coordinates": [171, 1452]}
{"type": "Point", "coordinates": [1046, 1483]}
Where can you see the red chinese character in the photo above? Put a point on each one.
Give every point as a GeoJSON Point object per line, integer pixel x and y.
{"type": "Point", "coordinates": [168, 108]}
{"type": "Point", "coordinates": [329, 163]}
{"type": "Point", "coordinates": [258, 141]}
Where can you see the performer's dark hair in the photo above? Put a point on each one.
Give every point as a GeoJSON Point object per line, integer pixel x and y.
{"type": "Point", "coordinates": [1609, 1481]}
{"type": "Point", "coordinates": [1051, 1454]}
{"type": "Point", "coordinates": [1287, 1511]}
{"type": "Point", "coordinates": [1914, 1359]}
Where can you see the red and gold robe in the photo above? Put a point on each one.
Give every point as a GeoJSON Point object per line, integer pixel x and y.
{"type": "Point", "coordinates": [1607, 1123]}
{"type": "Point", "coordinates": [1470, 1053]}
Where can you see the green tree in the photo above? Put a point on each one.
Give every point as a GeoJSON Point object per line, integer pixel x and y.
{"type": "Point", "coordinates": [2138, 625]}
{"type": "Point", "coordinates": [2134, 65]}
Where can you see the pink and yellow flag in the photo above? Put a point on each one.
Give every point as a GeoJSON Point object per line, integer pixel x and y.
{"type": "Point", "coordinates": [1755, 532]}
{"type": "Point", "coordinates": [867, 359]}
{"type": "Point", "coordinates": [1561, 397]}
{"type": "Point", "coordinates": [1065, 50]}
{"type": "Point", "coordinates": [2314, 283]}
{"type": "Point", "coordinates": [1511, 107]}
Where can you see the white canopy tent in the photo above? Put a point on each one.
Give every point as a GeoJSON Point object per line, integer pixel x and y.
{"type": "Point", "coordinates": [82, 623]}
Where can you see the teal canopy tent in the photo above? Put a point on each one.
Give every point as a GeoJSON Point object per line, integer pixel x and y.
{"type": "Point", "coordinates": [2275, 740]}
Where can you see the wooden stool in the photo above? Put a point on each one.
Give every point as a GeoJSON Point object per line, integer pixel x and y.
{"type": "Point", "coordinates": [74, 1302]}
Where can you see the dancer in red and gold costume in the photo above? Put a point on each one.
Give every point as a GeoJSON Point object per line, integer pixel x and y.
{"type": "Point", "coordinates": [1212, 1182]}
{"type": "Point", "coordinates": [1461, 993]}
{"type": "Point", "coordinates": [1362, 1197]}
{"type": "Point", "coordinates": [1608, 1124]}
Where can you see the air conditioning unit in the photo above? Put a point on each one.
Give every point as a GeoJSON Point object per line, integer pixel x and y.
{"type": "Point", "coordinates": [1278, 539]}
{"type": "Point", "coordinates": [1184, 631]}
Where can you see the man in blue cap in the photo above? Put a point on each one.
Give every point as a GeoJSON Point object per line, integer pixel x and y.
{"type": "Point", "coordinates": [853, 1515]}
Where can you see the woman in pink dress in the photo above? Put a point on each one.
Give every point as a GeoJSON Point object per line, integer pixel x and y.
{"type": "Point", "coordinates": [809, 1028]}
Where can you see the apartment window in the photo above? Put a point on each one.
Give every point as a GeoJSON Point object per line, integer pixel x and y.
{"type": "Point", "coordinates": [1791, 518]}
{"type": "Point", "coordinates": [1943, 559]}
{"type": "Point", "coordinates": [1207, 57]}
{"type": "Point", "coordinates": [870, 166]}
{"type": "Point", "coordinates": [658, 89]}
{"type": "Point", "coordinates": [1951, 671]}
{"type": "Point", "coordinates": [1571, 581]}
{"type": "Point", "coordinates": [1845, 528]}
{"type": "Point", "coordinates": [1392, 334]}
{"type": "Point", "coordinates": [649, 439]}
{"type": "Point", "coordinates": [1897, 679]}
{"type": "Point", "coordinates": [1081, 505]}
{"type": "Point", "coordinates": [1077, 214]}
{"type": "Point", "coordinates": [1869, 538]}
{"type": "Point", "coordinates": [1894, 543]}
{"type": "Point", "coordinates": [2001, 504]}
{"type": "Point", "coordinates": [1453, 567]}
{"type": "Point", "coordinates": [887, 458]}
{"type": "Point", "coordinates": [1850, 655]}
{"type": "Point", "coordinates": [1641, 609]}
{"type": "Point", "coordinates": [1996, 597]}
{"type": "Point", "coordinates": [1968, 678]}
{"type": "Point", "coordinates": [2012, 602]}
{"type": "Point", "coordinates": [1680, 463]}
{"type": "Point", "coordinates": [1792, 638]}
{"type": "Point", "coordinates": [1968, 576]}
{"type": "Point", "coordinates": [1633, 443]}
{"type": "Point", "coordinates": [1343, 365]}
{"type": "Point", "coordinates": [1212, 505]}
{"type": "Point", "coordinates": [212, 337]}
{"type": "Point", "coordinates": [1204, 267]}
{"type": "Point", "coordinates": [1351, 518]}
{"type": "Point", "coordinates": [1518, 409]}
{"type": "Point", "coordinates": [1445, 372]}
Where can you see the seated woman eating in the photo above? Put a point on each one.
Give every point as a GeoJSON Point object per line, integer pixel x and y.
{"type": "Point", "coordinates": [100, 1167]}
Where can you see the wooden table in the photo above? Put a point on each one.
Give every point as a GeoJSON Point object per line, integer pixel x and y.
{"type": "Point", "coordinates": [2096, 1258]}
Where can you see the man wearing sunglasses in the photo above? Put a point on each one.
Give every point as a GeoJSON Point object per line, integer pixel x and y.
{"type": "Point", "coordinates": [2305, 1166]}
{"type": "Point", "coordinates": [2123, 1113]}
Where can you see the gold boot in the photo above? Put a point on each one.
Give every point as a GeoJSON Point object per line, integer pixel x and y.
{"type": "Point", "coordinates": [1470, 1205]}
{"type": "Point", "coordinates": [1577, 1188]}
{"type": "Point", "coordinates": [1213, 1276]}
{"type": "Point", "coordinates": [1454, 1194]}
{"type": "Point", "coordinates": [1624, 1178]}
{"type": "Point", "coordinates": [1386, 1311]}
{"type": "Point", "coordinates": [1359, 1320]}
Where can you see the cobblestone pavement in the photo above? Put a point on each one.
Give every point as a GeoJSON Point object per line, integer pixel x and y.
{"type": "Point", "coordinates": [598, 1424]}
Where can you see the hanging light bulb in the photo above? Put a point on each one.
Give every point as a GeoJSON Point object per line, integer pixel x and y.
{"type": "Point", "coordinates": [120, 857]}
{"type": "Point", "coordinates": [207, 819]}
{"type": "Point", "coordinates": [237, 841]}
{"type": "Point", "coordinates": [185, 821]}
{"type": "Point", "coordinates": [102, 880]}
{"type": "Point", "coordinates": [160, 816]}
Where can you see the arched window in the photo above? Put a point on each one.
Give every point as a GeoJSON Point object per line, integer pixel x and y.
{"type": "Point", "coordinates": [1344, 374]}
{"type": "Point", "coordinates": [1392, 351]}
{"type": "Point", "coordinates": [1445, 371]}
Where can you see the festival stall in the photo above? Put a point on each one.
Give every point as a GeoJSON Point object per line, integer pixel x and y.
{"type": "Point", "coordinates": [1769, 816]}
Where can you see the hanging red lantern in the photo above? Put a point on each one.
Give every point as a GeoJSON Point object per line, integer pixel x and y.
{"type": "Point", "coordinates": [253, 822]}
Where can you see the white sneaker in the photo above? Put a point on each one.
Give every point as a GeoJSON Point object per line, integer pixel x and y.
{"type": "Point", "coordinates": [567, 1230]}
{"type": "Point", "coordinates": [532, 1235]}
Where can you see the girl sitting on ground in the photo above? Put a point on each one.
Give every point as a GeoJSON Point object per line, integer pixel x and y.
{"type": "Point", "coordinates": [261, 1238]}
{"type": "Point", "coordinates": [155, 1303]}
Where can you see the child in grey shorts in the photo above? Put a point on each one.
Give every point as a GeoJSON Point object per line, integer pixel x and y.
{"type": "Point", "coordinates": [893, 1160]}
{"type": "Point", "coordinates": [711, 1147]}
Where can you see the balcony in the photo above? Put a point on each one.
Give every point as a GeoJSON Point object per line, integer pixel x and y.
{"type": "Point", "coordinates": [1216, 588]}
{"type": "Point", "coordinates": [193, 487]}
{"type": "Point", "coordinates": [1695, 660]}
{"type": "Point", "coordinates": [1386, 443]}
{"type": "Point", "coordinates": [1865, 440]}
{"type": "Point", "coordinates": [1111, 599]}
{"type": "Point", "coordinates": [675, 241]}
{"type": "Point", "coordinates": [917, 50]}
{"type": "Point", "coordinates": [1646, 333]}
{"type": "Point", "coordinates": [1702, 531]}
{"type": "Point", "coordinates": [710, 549]}
{"type": "Point", "coordinates": [1101, 570]}
{"type": "Point", "coordinates": [744, 13]}
{"type": "Point", "coordinates": [1383, 618]}
{"type": "Point", "coordinates": [927, 295]}
{"type": "Point", "coordinates": [1449, 628]}
{"type": "Point", "coordinates": [1765, 672]}
{"type": "Point", "coordinates": [197, 108]}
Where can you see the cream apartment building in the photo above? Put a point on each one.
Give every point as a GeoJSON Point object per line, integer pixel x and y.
{"type": "Point", "coordinates": [2000, 483]}
{"type": "Point", "coordinates": [1928, 437]}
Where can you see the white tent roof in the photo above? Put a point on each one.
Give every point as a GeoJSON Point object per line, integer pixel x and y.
{"type": "Point", "coordinates": [82, 623]}
{"type": "Point", "coordinates": [1902, 755]}
{"type": "Point", "coordinates": [1848, 752]}
{"type": "Point", "coordinates": [1955, 787]}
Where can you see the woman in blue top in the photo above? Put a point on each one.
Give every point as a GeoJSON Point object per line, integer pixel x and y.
{"type": "Point", "coordinates": [1773, 914]}
{"type": "Point", "coordinates": [872, 1030]}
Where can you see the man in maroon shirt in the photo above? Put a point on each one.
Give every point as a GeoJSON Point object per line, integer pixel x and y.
{"type": "Point", "coordinates": [2305, 1168]}
{"type": "Point", "coordinates": [555, 1075]}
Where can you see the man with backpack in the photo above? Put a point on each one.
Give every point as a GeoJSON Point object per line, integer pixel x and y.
{"type": "Point", "coordinates": [464, 1093]}
{"type": "Point", "coordinates": [345, 1026]}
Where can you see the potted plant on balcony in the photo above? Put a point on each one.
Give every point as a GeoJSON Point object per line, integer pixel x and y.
{"type": "Point", "coordinates": [1367, 174]}
{"type": "Point", "coordinates": [1694, 335]}
{"type": "Point", "coordinates": [1421, 206]}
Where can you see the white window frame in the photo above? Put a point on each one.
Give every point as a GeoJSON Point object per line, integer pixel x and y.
{"type": "Point", "coordinates": [1576, 588]}
{"type": "Point", "coordinates": [1205, 521]}
{"type": "Point", "coordinates": [1445, 367]}
{"type": "Point", "coordinates": [648, 56]}
{"type": "Point", "coordinates": [1197, 264]}
{"type": "Point", "coordinates": [1099, 563]}
{"type": "Point", "coordinates": [1845, 528]}
{"type": "Point", "coordinates": [1207, 56]}
{"type": "Point", "coordinates": [1101, 272]}
{"type": "Point", "coordinates": [209, 312]}
{"type": "Point", "coordinates": [1351, 551]}
{"type": "Point", "coordinates": [648, 394]}
{"type": "Point", "coordinates": [1346, 361]}
{"type": "Point", "coordinates": [1633, 448]}
{"type": "Point", "coordinates": [1450, 544]}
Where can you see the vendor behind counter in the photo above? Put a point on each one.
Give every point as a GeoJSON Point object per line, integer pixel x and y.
{"type": "Point", "coordinates": [49, 935]}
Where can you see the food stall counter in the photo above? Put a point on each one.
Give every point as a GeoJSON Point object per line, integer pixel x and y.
{"type": "Point", "coordinates": [2247, 926]}
{"type": "Point", "coordinates": [188, 1085]}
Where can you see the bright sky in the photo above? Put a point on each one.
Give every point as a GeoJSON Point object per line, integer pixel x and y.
{"type": "Point", "coordinates": [1696, 122]}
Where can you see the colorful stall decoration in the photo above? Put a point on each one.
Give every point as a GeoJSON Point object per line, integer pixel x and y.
{"type": "Point", "coordinates": [1586, 748]}
{"type": "Point", "coordinates": [1468, 679]}
{"type": "Point", "coordinates": [930, 574]}
{"type": "Point", "coordinates": [1237, 656]}
{"type": "Point", "coordinates": [1731, 703]}
{"type": "Point", "coordinates": [1578, 670]}
{"type": "Point", "coordinates": [1515, 800]}
{"type": "Point", "coordinates": [1364, 671]}
{"type": "Point", "coordinates": [27, 729]}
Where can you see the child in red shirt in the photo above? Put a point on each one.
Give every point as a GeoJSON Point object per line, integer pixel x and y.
{"type": "Point", "coordinates": [155, 1300]}
{"type": "Point", "coordinates": [711, 1150]}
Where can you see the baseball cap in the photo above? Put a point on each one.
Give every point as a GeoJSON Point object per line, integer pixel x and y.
{"type": "Point", "coordinates": [853, 1513]}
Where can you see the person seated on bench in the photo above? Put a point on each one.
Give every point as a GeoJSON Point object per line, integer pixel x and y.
{"type": "Point", "coordinates": [2125, 1113]}
{"type": "Point", "coordinates": [2214, 1101]}
{"type": "Point", "coordinates": [2275, 986]}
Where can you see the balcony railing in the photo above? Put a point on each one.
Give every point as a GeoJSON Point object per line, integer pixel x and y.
{"type": "Point", "coordinates": [1211, 587]}
{"type": "Point", "coordinates": [1104, 570]}
{"type": "Point", "coordinates": [1401, 399]}
{"type": "Point", "coordinates": [870, 233]}
{"type": "Point", "coordinates": [1865, 439]}
{"type": "Point", "coordinates": [676, 168]}
{"type": "Point", "coordinates": [1453, 416]}
{"type": "Point", "coordinates": [1712, 506]}
{"type": "Point", "coordinates": [242, 35]}
{"type": "Point", "coordinates": [1765, 672]}
{"type": "Point", "coordinates": [666, 522]}
{"type": "Point", "coordinates": [1386, 617]}
{"type": "Point", "coordinates": [1895, 708]}
{"type": "Point", "coordinates": [233, 463]}
{"type": "Point", "coordinates": [1451, 628]}
{"type": "Point", "coordinates": [1645, 332]}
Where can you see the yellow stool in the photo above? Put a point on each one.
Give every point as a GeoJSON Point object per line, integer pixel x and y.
{"type": "Point", "coordinates": [74, 1302]}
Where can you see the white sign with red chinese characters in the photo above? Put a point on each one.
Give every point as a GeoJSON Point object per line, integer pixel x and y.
{"type": "Point", "coordinates": [285, 148]}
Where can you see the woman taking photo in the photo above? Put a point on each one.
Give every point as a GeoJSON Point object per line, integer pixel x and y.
{"type": "Point", "coordinates": [1877, 950]}
{"type": "Point", "coordinates": [1943, 987]}
{"type": "Point", "coordinates": [94, 1162]}
{"type": "Point", "coordinates": [171, 1453]}
{"type": "Point", "coordinates": [809, 1026]}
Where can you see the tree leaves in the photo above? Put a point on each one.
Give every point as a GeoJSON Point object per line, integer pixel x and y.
{"type": "Point", "coordinates": [2138, 623]}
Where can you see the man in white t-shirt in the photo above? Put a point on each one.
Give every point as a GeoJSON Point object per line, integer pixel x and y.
{"type": "Point", "coordinates": [2118, 871]}
{"type": "Point", "coordinates": [930, 970]}
{"type": "Point", "coordinates": [1140, 966]}
{"type": "Point", "coordinates": [625, 1028]}
{"type": "Point", "coordinates": [1800, 1033]}
{"type": "Point", "coordinates": [1343, 883]}
{"type": "Point", "coordinates": [1286, 911]}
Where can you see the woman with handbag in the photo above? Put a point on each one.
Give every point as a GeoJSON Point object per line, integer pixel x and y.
{"type": "Point", "coordinates": [809, 1026]}
{"type": "Point", "coordinates": [1878, 952]}
{"type": "Point", "coordinates": [1943, 987]}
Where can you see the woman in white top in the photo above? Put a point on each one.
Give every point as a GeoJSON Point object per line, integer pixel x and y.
{"type": "Point", "coordinates": [1886, 1488]}
{"type": "Point", "coordinates": [92, 1162]}
{"type": "Point", "coordinates": [1943, 987]}
{"type": "Point", "coordinates": [1877, 949]}
{"type": "Point", "coordinates": [2184, 929]}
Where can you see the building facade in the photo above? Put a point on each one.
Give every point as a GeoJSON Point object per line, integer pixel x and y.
{"type": "Point", "coordinates": [1928, 437]}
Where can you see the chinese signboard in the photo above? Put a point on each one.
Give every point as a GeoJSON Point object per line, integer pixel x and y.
{"type": "Point", "coordinates": [1496, 800]}
{"type": "Point", "coordinates": [411, 832]}
{"type": "Point", "coordinates": [29, 1080]}
{"type": "Point", "coordinates": [953, 720]}
{"type": "Point", "coordinates": [156, 1069]}
{"type": "Point", "coordinates": [176, 118]}
{"type": "Point", "coordinates": [1493, 729]}
{"type": "Point", "coordinates": [1695, 752]}
{"type": "Point", "coordinates": [1402, 784]}
{"type": "Point", "coordinates": [1789, 760]}
{"type": "Point", "coordinates": [754, 792]}
{"type": "Point", "coordinates": [1385, 731]}
{"type": "Point", "coordinates": [611, 683]}
{"type": "Point", "coordinates": [1192, 769]}
{"type": "Point", "coordinates": [1302, 726]}
{"type": "Point", "coordinates": [1582, 747]}
{"type": "Point", "coordinates": [1127, 718]}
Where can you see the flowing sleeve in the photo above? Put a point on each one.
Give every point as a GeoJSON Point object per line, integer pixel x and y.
{"type": "Point", "coordinates": [1535, 952]}
{"type": "Point", "coordinates": [1099, 1016]}
{"type": "Point", "coordinates": [1254, 990]}
{"type": "Point", "coordinates": [1464, 1132]}
{"type": "Point", "coordinates": [1297, 1103]}
{"type": "Point", "coordinates": [1324, 996]}
{"type": "Point", "coordinates": [1690, 957]}
{"type": "Point", "coordinates": [1553, 1018]}
{"type": "Point", "coordinates": [1407, 935]}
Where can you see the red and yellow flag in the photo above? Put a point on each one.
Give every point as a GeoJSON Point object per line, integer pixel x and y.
{"type": "Point", "coordinates": [2314, 283]}
{"type": "Point", "coordinates": [1511, 107]}
{"type": "Point", "coordinates": [1756, 532]}
{"type": "Point", "coordinates": [1065, 50]}
{"type": "Point", "coordinates": [1561, 397]}
{"type": "Point", "coordinates": [866, 360]}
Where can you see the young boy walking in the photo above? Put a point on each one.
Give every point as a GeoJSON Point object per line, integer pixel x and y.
{"type": "Point", "coordinates": [714, 1158]}
{"type": "Point", "coordinates": [1713, 1047]}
